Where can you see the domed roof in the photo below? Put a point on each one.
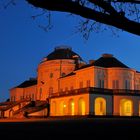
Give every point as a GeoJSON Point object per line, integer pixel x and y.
{"type": "Point", "coordinates": [62, 52]}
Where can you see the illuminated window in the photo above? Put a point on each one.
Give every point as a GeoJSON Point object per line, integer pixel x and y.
{"type": "Point", "coordinates": [126, 107]}
{"type": "Point", "coordinates": [71, 107]}
{"type": "Point", "coordinates": [81, 107]}
{"type": "Point", "coordinates": [54, 108]}
{"type": "Point", "coordinates": [100, 106]}
{"type": "Point", "coordinates": [62, 108]}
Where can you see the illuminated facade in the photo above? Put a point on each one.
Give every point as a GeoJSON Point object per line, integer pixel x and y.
{"type": "Point", "coordinates": [71, 87]}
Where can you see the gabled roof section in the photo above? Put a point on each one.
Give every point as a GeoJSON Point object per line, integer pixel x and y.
{"type": "Point", "coordinates": [108, 61]}
{"type": "Point", "coordinates": [27, 83]}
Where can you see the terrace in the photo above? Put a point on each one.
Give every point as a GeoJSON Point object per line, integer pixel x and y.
{"type": "Point", "coordinates": [94, 90]}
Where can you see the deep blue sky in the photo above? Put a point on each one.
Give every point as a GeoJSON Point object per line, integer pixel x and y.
{"type": "Point", "coordinates": [23, 44]}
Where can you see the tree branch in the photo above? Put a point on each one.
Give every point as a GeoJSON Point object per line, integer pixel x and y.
{"type": "Point", "coordinates": [71, 6]}
{"type": "Point", "coordinates": [105, 5]}
{"type": "Point", "coordinates": [124, 1]}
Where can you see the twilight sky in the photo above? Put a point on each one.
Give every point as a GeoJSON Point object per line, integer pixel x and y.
{"type": "Point", "coordinates": [23, 44]}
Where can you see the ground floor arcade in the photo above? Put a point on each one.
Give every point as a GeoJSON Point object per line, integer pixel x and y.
{"type": "Point", "coordinates": [95, 104]}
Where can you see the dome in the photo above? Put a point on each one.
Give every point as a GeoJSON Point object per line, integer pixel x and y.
{"type": "Point", "coordinates": [62, 52]}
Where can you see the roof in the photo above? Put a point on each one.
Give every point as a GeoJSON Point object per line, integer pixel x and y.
{"type": "Point", "coordinates": [27, 83]}
{"type": "Point", "coordinates": [85, 66]}
{"type": "Point", "coordinates": [70, 74]}
{"type": "Point", "coordinates": [5, 103]}
{"type": "Point", "coordinates": [62, 52]}
{"type": "Point", "coordinates": [108, 61]}
{"type": "Point", "coordinates": [138, 71]}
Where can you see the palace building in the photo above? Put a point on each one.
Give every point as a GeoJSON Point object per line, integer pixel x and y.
{"type": "Point", "coordinates": [67, 86]}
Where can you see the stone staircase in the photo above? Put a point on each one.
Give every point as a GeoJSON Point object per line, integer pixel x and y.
{"type": "Point", "coordinates": [33, 106]}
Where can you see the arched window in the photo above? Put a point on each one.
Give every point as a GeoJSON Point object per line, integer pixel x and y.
{"type": "Point", "coordinates": [100, 106]}
{"type": "Point", "coordinates": [71, 107]}
{"type": "Point", "coordinates": [62, 108]}
{"type": "Point", "coordinates": [51, 75]}
{"type": "Point", "coordinates": [126, 107]}
{"type": "Point", "coordinates": [81, 107]}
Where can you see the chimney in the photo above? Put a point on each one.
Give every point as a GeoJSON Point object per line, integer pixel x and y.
{"type": "Point", "coordinates": [91, 61]}
{"type": "Point", "coordinates": [107, 55]}
{"type": "Point", "coordinates": [81, 64]}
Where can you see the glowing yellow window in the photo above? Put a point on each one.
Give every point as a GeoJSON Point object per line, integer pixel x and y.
{"type": "Point", "coordinates": [81, 107]}
{"type": "Point", "coordinates": [71, 107]}
{"type": "Point", "coordinates": [126, 107]}
{"type": "Point", "coordinates": [100, 106]}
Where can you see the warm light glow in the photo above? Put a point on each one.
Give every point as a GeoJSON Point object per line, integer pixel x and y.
{"type": "Point", "coordinates": [11, 113]}
{"type": "Point", "coordinates": [71, 107]}
{"type": "Point", "coordinates": [81, 107]}
{"type": "Point", "coordinates": [54, 108]}
{"type": "Point", "coordinates": [126, 107]}
{"type": "Point", "coordinates": [139, 108]}
{"type": "Point", "coordinates": [100, 106]}
{"type": "Point", "coordinates": [62, 108]}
